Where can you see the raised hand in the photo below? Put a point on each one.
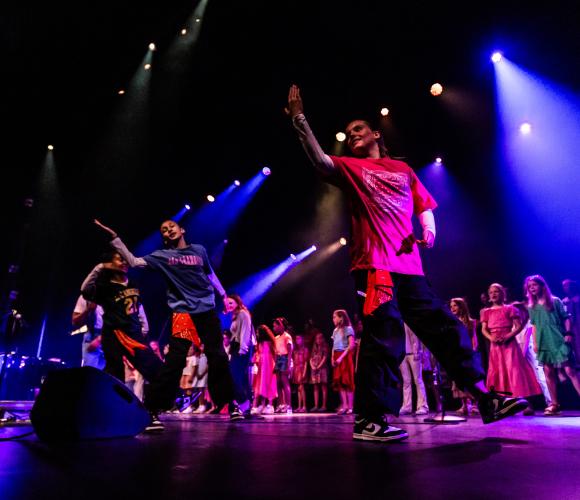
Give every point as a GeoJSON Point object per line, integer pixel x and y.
{"type": "Point", "coordinates": [295, 106]}
{"type": "Point", "coordinates": [105, 228]}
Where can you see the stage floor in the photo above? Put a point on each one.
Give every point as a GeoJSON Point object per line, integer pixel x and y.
{"type": "Point", "coordinates": [303, 456]}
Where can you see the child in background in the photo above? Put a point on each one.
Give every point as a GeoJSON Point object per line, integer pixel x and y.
{"type": "Point", "coordinates": [459, 308]}
{"type": "Point", "coordinates": [412, 373]}
{"type": "Point", "coordinates": [300, 357]}
{"type": "Point", "coordinates": [526, 343]}
{"type": "Point", "coordinates": [508, 370]}
{"type": "Point", "coordinates": [200, 376]}
{"type": "Point", "coordinates": [284, 345]}
{"type": "Point", "coordinates": [265, 383]}
{"type": "Point", "coordinates": [342, 359]}
{"type": "Point", "coordinates": [319, 372]}
{"type": "Point", "coordinates": [552, 336]}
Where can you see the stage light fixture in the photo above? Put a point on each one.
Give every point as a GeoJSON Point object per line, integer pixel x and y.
{"type": "Point", "coordinates": [340, 136]}
{"type": "Point", "coordinates": [184, 31]}
{"type": "Point", "coordinates": [314, 248]}
{"type": "Point", "coordinates": [525, 128]}
{"type": "Point", "coordinates": [237, 183]}
{"type": "Point", "coordinates": [210, 198]}
{"type": "Point", "coordinates": [438, 160]}
{"type": "Point", "coordinates": [384, 111]}
{"type": "Point", "coordinates": [198, 20]}
{"type": "Point", "coordinates": [147, 66]}
{"type": "Point", "coordinates": [496, 57]}
{"type": "Point", "coordinates": [50, 147]}
{"type": "Point", "coordinates": [152, 46]}
{"type": "Point", "coordinates": [187, 207]}
{"type": "Point", "coordinates": [342, 241]}
{"type": "Point", "coordinates": [292, 256]}
{"type": "Point", "coordinates": [436, 89]}
{"type": "Point", "coordinates": [266, 171]}
{"type": "Point", "coordinates": [121, 92]}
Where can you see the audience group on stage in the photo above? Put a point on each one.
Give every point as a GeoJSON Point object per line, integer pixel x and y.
{"type": "Point", "coordinates": [526, 348]}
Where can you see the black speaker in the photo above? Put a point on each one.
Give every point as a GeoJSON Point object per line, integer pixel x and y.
{"type": "Point", "coordinates": [86, 403]}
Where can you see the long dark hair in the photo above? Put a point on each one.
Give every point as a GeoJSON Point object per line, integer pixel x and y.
{"type": "Point", "coordinates": [463, 315]}
{"type": "Point", "coordinates": [545, 292]}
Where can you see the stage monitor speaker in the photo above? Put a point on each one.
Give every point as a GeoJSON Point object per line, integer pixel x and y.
{"type": "Point", "coordinates": [86, 403]}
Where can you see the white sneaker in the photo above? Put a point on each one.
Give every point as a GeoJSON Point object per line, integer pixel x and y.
{"type": "Point", "coordinates": [405, 412]}
{"type": "Point", "coordinates": [288, 410]}
{"type": "Point", "coordinates": [255, 410]}
{"type": "Point", "coordinates": [422, 411]}
{"type": "Point", "coordinates": [269, 410]}
{"type": "Point", "coordinates": [189, 409]}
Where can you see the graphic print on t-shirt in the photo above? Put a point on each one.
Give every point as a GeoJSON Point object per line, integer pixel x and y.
{"type": "Point", "coordinates": [388, 189]}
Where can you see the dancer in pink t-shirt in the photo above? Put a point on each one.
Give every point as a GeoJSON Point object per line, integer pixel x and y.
{"type": "Point", "coordinates": [384, 194]}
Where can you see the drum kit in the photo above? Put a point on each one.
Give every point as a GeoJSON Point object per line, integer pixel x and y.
{"type": "Point", "coordinates": [23, 375]}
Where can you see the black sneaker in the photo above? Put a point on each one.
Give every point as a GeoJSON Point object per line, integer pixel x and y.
{"type": "Point", "coordinates": [156, 425]}
{"type": "Point", "coordinates": [376, 429]}
{"type": "Point", "coordinates": [235, 412]}
{"type": "Point", "coordinates": [494, 406]}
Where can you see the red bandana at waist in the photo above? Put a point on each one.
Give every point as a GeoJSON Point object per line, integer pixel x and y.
{"type": "Point", "coordinates": [379, 290]}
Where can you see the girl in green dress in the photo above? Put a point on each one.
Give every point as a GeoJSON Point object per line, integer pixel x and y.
{"type": "Point", "coordinates": [552, 336]}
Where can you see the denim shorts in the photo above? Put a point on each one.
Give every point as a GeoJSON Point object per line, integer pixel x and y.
{"type": "Point", "coordinates": [281, 363]}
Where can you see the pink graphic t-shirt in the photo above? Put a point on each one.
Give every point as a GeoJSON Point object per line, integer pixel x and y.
{"type": "Point", "coordinates": [383, 194]}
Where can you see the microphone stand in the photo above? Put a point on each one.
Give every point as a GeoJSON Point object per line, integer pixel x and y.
{"type": "Point", "coordinates": [441, 418]}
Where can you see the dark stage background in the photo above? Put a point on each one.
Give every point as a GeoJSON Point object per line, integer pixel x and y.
{"type": "Point", "coordinates": [214, 113]}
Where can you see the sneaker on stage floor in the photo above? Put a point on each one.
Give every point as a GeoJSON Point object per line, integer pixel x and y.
{"type": "Point", "coordinates": [268, 410]}
{"type": "Point", "coordinates": [200, 409]}
{"type": "Point", "coordinates": [235, 412]}
{"type": "Point", "coordinates": [494, 406]}
{"type": "Point", "coordinates": [280, 409]}
{"type": "Point", "coordinates": [156, 425]}
{"type": "Point", "coordinates": [376, 429]}
{"type": "Point", "coordinates": [188, 410]}
{"type": "Point", "coordinates": [422, 411]}
{"type": "Point", "coordinates": [405, 412]}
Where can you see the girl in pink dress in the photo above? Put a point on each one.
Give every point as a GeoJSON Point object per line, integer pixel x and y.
{"type": "Point", "coordinates": [265, 383]}
{"type": "Point", "coordinates": [508, 369]}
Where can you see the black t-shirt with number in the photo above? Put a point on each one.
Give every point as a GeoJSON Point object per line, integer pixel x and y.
{"type": "Point", "coordinates": [120, 304]}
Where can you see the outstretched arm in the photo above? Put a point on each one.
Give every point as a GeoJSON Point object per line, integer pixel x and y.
{"type": "Point", "coordinates": [118, 245]}
{"type": "Point", "coordinates": [213, 279]}
{"type": "Point", "coordinates": [295, 110]}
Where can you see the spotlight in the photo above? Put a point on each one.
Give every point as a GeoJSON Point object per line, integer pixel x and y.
{"type": "Point", "coordinates": [436, 89]}
{"type": "Point", "coordinates": [496, 57]}
{"type": "Point", "coordinates": [342, 241]}
{"type": "Point", "coordinates": [384, 111]}
{"type": "Point", "coordinates": [147, 66]}
{"type": "Point", "coordinates": [50, 147]}
{"type": "Point", "coordinates": [314, 248]}
{"type": "Point", "coordinates": [121, 92]}
{"type": "Point", "coordinates": [210, 198]}
{"type": "Point", "coordinates": [225, 242]}
{"type": "Point", "coordinates": [198, 20]}
{"type": "Point", "coordinates": [184, 31]}
{"type": "Point", "coordinates": [266, 171]}
{"type": "Point", "coordinates": [438, 160]}
{"type": "Point", "coordinates": [237, 183]}
{"type": "Point", "coordinates": [525, 128]}
{"type": "Point", "coordinates": [341, 137]}
{"type": "Point", "coordinates": [187, 207]}
{"type": "Point", "coordinates": [292, 256]}
{"type": "Point", "coordinates": [151, 46]}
